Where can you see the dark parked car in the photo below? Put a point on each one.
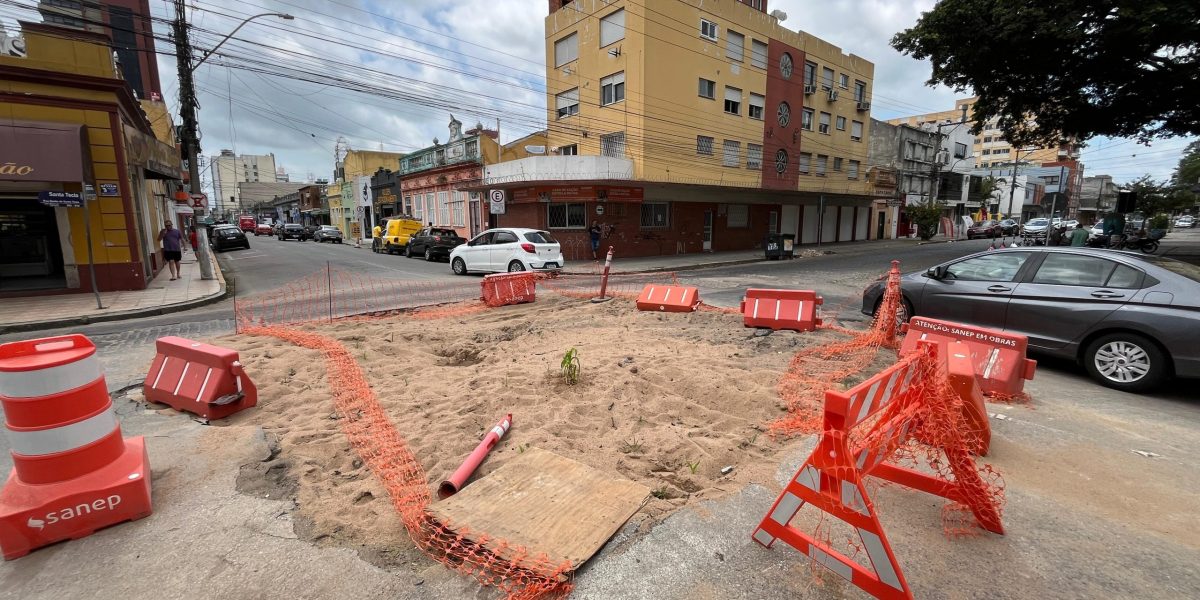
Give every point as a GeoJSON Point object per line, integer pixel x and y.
{"type": "Point", "coordinates": [225, 237]}
{"type": "Point", "coordinates": [433, 243]}
{"type": "Point", "coordinates": [984, 229]}
{"type": "Point", "coordinates": [293, 231]}
{"type": "Point", "coordinates": [1009, 227]}
{"type": "Point", "coordinates": [1132, 320]}
{"type": "Point", "coordinates": [327, 233]}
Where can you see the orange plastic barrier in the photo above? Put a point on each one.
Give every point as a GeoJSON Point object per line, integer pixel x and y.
{"type": "Point", "coordinates": [73, 473]}
{"type": "Point", "coordinates": [963, 382]}
{"type": "Point", "coordinates": [998, 357]}
{"type": "Point", "coordinates": [502, 289]}
{"type": "Point", "coordinates": [199, 378]}
{"type": "Point", "coordinates": [879, 416]}
{"type": "Point", "coordinates": [782, 309]}
{"type": "Point", "coordinates": [668, 298]}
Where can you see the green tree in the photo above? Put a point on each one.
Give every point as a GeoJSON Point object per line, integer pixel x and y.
{"type": "Point", "coordinates": [1154, 198]}
{"type": "Point", "coordinates": [1080, 68]}
{"type": "Point", "coordinates": [1188, 172]}
{"type": "Point", "coordinates": [927, 216]}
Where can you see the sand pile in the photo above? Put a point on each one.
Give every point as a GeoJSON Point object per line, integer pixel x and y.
{"type": "Point", "coordinates": [668, 400]}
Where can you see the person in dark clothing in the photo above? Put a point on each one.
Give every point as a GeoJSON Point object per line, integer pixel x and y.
{"type": "Point", "coordinates": [172, 240]}
{"type": "Point", "coordinates": [594, 234]}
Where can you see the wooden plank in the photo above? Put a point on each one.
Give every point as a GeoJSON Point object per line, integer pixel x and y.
{"type": "Point", "coordinates": [547, 503]}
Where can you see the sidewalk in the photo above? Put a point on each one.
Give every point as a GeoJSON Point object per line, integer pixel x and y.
{"type": "Point", "coordinates": [161, 296]}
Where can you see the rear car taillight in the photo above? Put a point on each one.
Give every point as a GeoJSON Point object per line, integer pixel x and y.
{"type": "Point", "coordinates": [528, 248]}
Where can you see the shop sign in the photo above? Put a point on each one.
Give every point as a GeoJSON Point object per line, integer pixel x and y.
{"type": "Point", "coordinates": [63, 199]}
{"type": "Point", "coordinates": [109, 189]}
{"type": "Point", "coordinates": [578, 193]}
{"type": "Point", "coordinates": [496, 202]}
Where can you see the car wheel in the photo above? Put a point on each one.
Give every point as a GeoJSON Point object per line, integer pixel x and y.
{"type": "Point", "coordinates": [429, 254]}
{"type": "Point", "coordinates": [459, 266]}
{"type": "Point", "coordinates": [1150, 247]}
{"type": "Point", "coordinates": [515, 266]}
{"type": "Point", "coordinates": [408, 251]}
{"type": "Point", "coordinates": [1125, 361]}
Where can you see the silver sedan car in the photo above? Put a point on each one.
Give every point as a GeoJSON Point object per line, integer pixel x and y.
{"type": "Point", "coordinates": [1131, 320]}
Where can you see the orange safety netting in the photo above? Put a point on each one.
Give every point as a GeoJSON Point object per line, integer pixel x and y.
{"type": "Point", "coordinates": [510, 568]}
{"type": "Point", "coordinates": [620, 285]}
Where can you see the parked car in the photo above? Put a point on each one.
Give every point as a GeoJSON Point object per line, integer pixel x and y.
{"type": "Point", "coordinates": [984, 229]}
{"type": "Point", "coordinates": [276, 228]}
{"type": "Point", "coordinates": [509, 249]}
{"type": "Point", "coordinates": [247, 223]}
{"type": "Point", "coordinates": [327, 233]}
{"type": "Point", "coordinates": [1035, 226]}
{"type": "Point", "coordinates": [396, 233]}
{"type": "Point", "coordinates": [225, 237]}
{"type": "Point", "coordinates": [311, 230]}
{"type": "Point", "coordinates": [1131, 320]}
{"type": "Point", "coordinates": [1009, 227]}
{"type": "Point", "coordinates": [433, 243]}
{"type": "Point", "coordinates": [1185, 221]}
{"type": "Point", "coordinates": [263, 229]}
{"type": "Point", "coordinates": [293, 231]}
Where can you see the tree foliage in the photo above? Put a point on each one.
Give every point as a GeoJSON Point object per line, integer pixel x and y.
{"type": "Point", "coordinates": [927, 216]}
{"type": "Point", "coordinates": [1187, 174]}
{"type": "Point", "coordinates": [1155, 197]}
{"type": "Point", "coordinates": [1080, 68]}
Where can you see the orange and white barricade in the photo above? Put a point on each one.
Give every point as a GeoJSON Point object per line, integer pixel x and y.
{"type": "Point", "coordinates": [998, 357]}
{"type": "Point", "coordinates": [798, 310]}
{"type": "Point", "coordinates": [502, 289]}
{"type": "Point", "coordinates": [199, 378]}
{"type": "Point", "coordinates": [883, 413]}
{"type": "Point", "coordinates": [668, 298]}
{"type": "Point", "coordinates": [73, 473]}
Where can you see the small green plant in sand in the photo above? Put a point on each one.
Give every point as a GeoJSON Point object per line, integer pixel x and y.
{"type": "Point", "coordinates": [570, 367]}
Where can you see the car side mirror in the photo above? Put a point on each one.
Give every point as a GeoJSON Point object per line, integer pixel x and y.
{"type": "Point", "coordinates": [938, 272]}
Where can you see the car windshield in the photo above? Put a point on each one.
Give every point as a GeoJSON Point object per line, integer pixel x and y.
{"type": "Point", "coordinates": [985, 223]}
{"type": "Point", "coordinates": [328, 228]}
{"type": "Point", "coordinates": [1037, 222]}
{"type": "Point", "coordinates": [540, 237]}
{"type": "Point", "coordinates": [1175, 266]}
{"type": "Point", "coordinates": [291, 226]}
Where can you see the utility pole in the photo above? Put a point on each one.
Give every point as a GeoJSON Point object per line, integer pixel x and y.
{"type": "Point", "coordinates": [191, 138]}
{"type": "Point", "coordinates": [1012, 182]}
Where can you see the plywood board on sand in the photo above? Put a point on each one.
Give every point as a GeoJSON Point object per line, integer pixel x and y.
{"type": "Point", "coordinates": [547, 503]}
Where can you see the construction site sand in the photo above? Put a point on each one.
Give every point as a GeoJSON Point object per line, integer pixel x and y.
{"type": "Point", "coordinates": [667, 400]}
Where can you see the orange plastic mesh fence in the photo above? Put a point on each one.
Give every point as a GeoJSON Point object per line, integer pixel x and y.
{"type": "Point", "coordinates": [510, 568]}
{"type": "Point", "coordinates": [620, 285]}
{"type": "Point", "coordinates": [333, 293]}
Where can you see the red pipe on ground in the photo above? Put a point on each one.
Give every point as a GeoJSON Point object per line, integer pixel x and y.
{"type": "Point", "coordinates": [451, 486]}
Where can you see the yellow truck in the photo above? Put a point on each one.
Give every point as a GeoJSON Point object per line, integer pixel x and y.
{"type": "Point", "coordinates": [395, 235]}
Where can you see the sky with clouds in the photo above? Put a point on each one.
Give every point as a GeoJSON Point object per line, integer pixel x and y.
{"type": "Point", "coordinates": [387, 74]}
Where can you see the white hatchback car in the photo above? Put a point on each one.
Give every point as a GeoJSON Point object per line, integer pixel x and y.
{"type": "Point", "coordinates": [509, 249]}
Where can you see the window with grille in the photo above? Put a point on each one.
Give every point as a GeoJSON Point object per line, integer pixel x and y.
{"type": "Point", "coordinates": [654, 214]}
{"type": "Point", "coordinates": [566, 50]}
{"type": "Point", "coordinates": [704, 145]}
{"type": "Point", "coordinates": [613, 144]}
{"type": "Point", "coordinates": [757, 102]}
{"type": "Point", "coordinates": [731, 153]}
{"type": "Point", "coordinates": [612, 88]}
{"type": "Point", "coordinates": [754, 154]}
{"type": "Point", "coordinates": [612, 28]}
{"type": "Point", "coordinates": [562, 215]}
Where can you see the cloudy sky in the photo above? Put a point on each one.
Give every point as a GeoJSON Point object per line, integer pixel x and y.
{"type": "Point", "coordinates": [387, 74]}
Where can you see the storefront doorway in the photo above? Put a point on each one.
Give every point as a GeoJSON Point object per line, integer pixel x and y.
{"type": "Point", "coordinates": [30, 249]}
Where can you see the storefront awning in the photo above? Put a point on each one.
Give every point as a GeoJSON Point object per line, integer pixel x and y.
{"type": "Point", "coordinates": [43, 151]}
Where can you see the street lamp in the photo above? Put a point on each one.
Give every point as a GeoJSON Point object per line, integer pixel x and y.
{"type": "Point", "coordinates": [284, 16]}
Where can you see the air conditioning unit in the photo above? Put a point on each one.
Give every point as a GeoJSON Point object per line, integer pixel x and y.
{"type": "Point", "coordinates": [832, 95]}
{"type": "Point", "coordinates": [864, 105]}
{"type": "Point", "coordinates": [810, 89]}
{"type": "Point", "coordinates": [943, 157]}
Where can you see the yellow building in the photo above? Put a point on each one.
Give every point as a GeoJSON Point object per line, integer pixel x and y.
{"type": "Point", "coordinates": [355, 185]}
{"type": "Point", "coordinates": [991, 149]}
{"type": "Point", "coordinates": [692, 126]}
{"type": "Point", "coordinates": [71, 129]}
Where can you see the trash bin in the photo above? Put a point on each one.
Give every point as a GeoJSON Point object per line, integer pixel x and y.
{"type": "Point", "coordinates": [773, 246]}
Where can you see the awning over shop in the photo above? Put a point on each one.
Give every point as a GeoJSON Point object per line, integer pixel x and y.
{"type": "Point", "coordinates": [43, 151]}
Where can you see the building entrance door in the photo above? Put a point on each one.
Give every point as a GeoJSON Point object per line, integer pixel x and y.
{"type": "Point", "coordinates": [879, 226]}
{"type": "Point", "coordinates": [30, 251]}
{"type": "Point", "coordinates": [707, 236]}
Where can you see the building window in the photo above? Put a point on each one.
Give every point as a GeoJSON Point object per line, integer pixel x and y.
{"type": "Point", "coordinates": [841, 123]}
{"type": "Point", "coordinates": [561, 215]}
{"type": "Point", "coordinates": [708, 30]}
{"type": "Point", "coordinates": [757, 103]}
{"type": "Point", "coordinates": [860, 91]}
{"type": "Point", "coordinates": [823, 126]}
{"type": "Point", "coordinates": [737, 216]}
{"type": "Point", "coordinates": [567, 103]}
{"type": "Point", "coordinates": [856, 132]}
{"type": "Point", "coordinates": [733, 100]}
{"type": "Point", "coordinates": [731, 153]}
{"type": "Point", "coordinates": [852, 172]}
{"type": "Point", "coordinates": [472, 148]}
{"type": "Point", "coordinates": [758, 54]}
{"type": "Point", "coordinates": [612, 28]}
{"type": "Point", "coordinates": [571, 150]}
{"type": "Point", "coordinates": [429, 207]}
{"type": "Point", "coordinates": [806, 119]}
{"type": "Point", "coordinates": [418, 210]}
{"type": "Point", "coordinates": [986, 152]}
{"type": "Point", "coordinates": [837, 164]}
{"type": "Point", "coordinates": [456, 209]}
{"type": "Point", "coordinates": [960, 150]}
{"type": "Point", "coordinates": [654, 214]}
{"type": "Point", "coordinates": [612, 89]}
{"type": "Point", "coordinates": [754, 156]}
{"type": "Point", "coordinates": [803, 161]}
{"type": "Point", "coordinates": [810, 73]}
{"type": "Point", "coordinates": [613, 145]}
{"type": "Point", "coordinates": [987, 140]}
{"type": "Point", "coordinates": [566, 50]}
{"type": "Point", "coordinates": [735, 45]}
{"type": "Point", "coordinates": [708, 89]}
{"type": "Point", "coordinates": [704, 145]}
{"type": "Point", "coordinates": [443, 200]}
{"type": "Point", "coordinates": [827, 78]}
{"type": "Point", "coordinates": [822, 165]}
{"type": "Point", "coordinates": [844, 81]}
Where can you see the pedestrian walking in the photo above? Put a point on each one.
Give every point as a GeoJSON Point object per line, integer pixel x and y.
{"type": "Point", "coordinates": [594, 234]}
{"type": "Point", "coordinates": [1079, 236]}
{"type": "Point", "coordinates": [172, 240]}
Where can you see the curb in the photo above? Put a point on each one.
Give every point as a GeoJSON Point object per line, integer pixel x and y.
{"type": "Point", "coordinates": [124, 315]}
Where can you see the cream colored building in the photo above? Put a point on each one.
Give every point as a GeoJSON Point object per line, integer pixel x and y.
{"type": "Point", "coordinates": [229, 169]}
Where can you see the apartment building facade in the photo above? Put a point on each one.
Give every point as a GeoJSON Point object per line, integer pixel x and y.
{"type": "Point", "coordinates": [228, 170]}
{"type": "Point", "coordinates": [693, 126]}
{"type": "Point", "coordinates": [127, 23]}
